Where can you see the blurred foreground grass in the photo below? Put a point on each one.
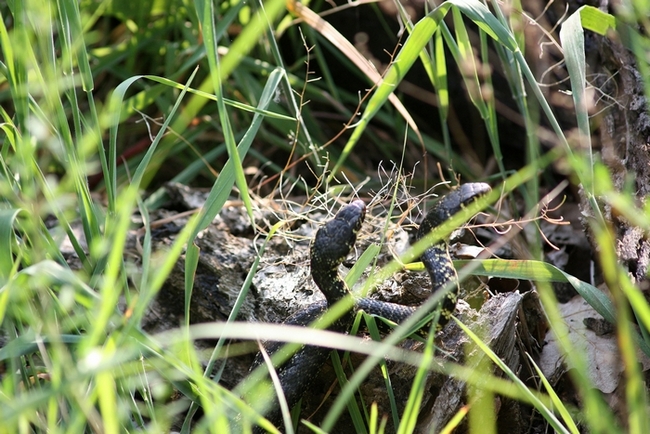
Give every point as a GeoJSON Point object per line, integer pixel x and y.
{"type": "Point", "coordinates": [103, 101]}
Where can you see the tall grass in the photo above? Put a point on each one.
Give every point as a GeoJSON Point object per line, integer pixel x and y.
{"type": "Point", "coordinates": [207, 85]}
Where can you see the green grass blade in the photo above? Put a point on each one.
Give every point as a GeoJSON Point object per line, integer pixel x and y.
{"type": "Point", "coordinates": [222, 186]}
{"type": "Point", "coordinates": [7, 238]}
{"type": "Point", "coordinates": [373, 330]}
{"type": "Point", "coordinates": [234, 56]}
{"type": "Point", "coordinates": [440, 77]}
{"type": "Point", "coordinates": [543, 272]}
{"type": "Point", "coordinates": [251, 34]}
{"type": "Point", "coordinates": [129, 108]}
{"type": "Point", "coordinates": [142, 167]}
{"type": "Point", "coordinates": [557, 402]}
{"type": "Point", "coordinates": [468, 67]}
{"type": "Point", "coordinates": [596, 20]}
{"type": "Point", "coordinates": [573, 43]}
{"type": "Point", "coordinates": [112, 120]}
{"type": "Point", "coordinates": [417, 40]}
{"type": "Point", "coordinates": [118, 222]}
{"type": "Point", "coordinates": [615, 275]}
{"type": "Point", "coordinates": [419, 37]}
{"type": "Point", "coordinates": [206, 13]}
{"type": "Point", "coordinates": [107, 395]}
{"type": "Point", "coordinates": [353, 407]}
{"type": "Point", "coordinates": [74, 41]}
{"type": "Point", "coordinates": [592, 400]}
{"type": "Point", "coordinates": [412, 408]}
{"type": "Point", "coordinates": [539, 405]}
{"type": "Point", "coordinates": [15, 62]}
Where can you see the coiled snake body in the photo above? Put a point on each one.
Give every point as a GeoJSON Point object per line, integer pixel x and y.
{"type": "Point", "coordinates": [331, 245]}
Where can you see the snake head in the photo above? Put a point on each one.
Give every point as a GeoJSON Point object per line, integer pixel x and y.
{"type": "Point", "coordinates": [452, 203]}
{"type": "Point", "coordinates": [335, 239]}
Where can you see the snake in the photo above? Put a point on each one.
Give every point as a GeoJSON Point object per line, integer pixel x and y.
{"type": "Point", "coordinates": [332, 244]}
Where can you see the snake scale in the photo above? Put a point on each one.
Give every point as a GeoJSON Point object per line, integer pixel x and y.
{"type": "Point", "coordinates": [332, 244]}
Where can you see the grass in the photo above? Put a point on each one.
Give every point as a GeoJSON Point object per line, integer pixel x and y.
{"type": "Point", "coordinates": [209, 87]}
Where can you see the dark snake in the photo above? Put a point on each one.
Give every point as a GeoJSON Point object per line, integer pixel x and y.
{"type": "Point", "coordinates": [332, 244]}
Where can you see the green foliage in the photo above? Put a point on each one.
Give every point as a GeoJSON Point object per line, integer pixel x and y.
{"type": "Point", "coordinates": [80, 80]}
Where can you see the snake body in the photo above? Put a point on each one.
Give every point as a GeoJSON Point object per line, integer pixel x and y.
{"type": "Point", "coordinates": [332, 244]}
